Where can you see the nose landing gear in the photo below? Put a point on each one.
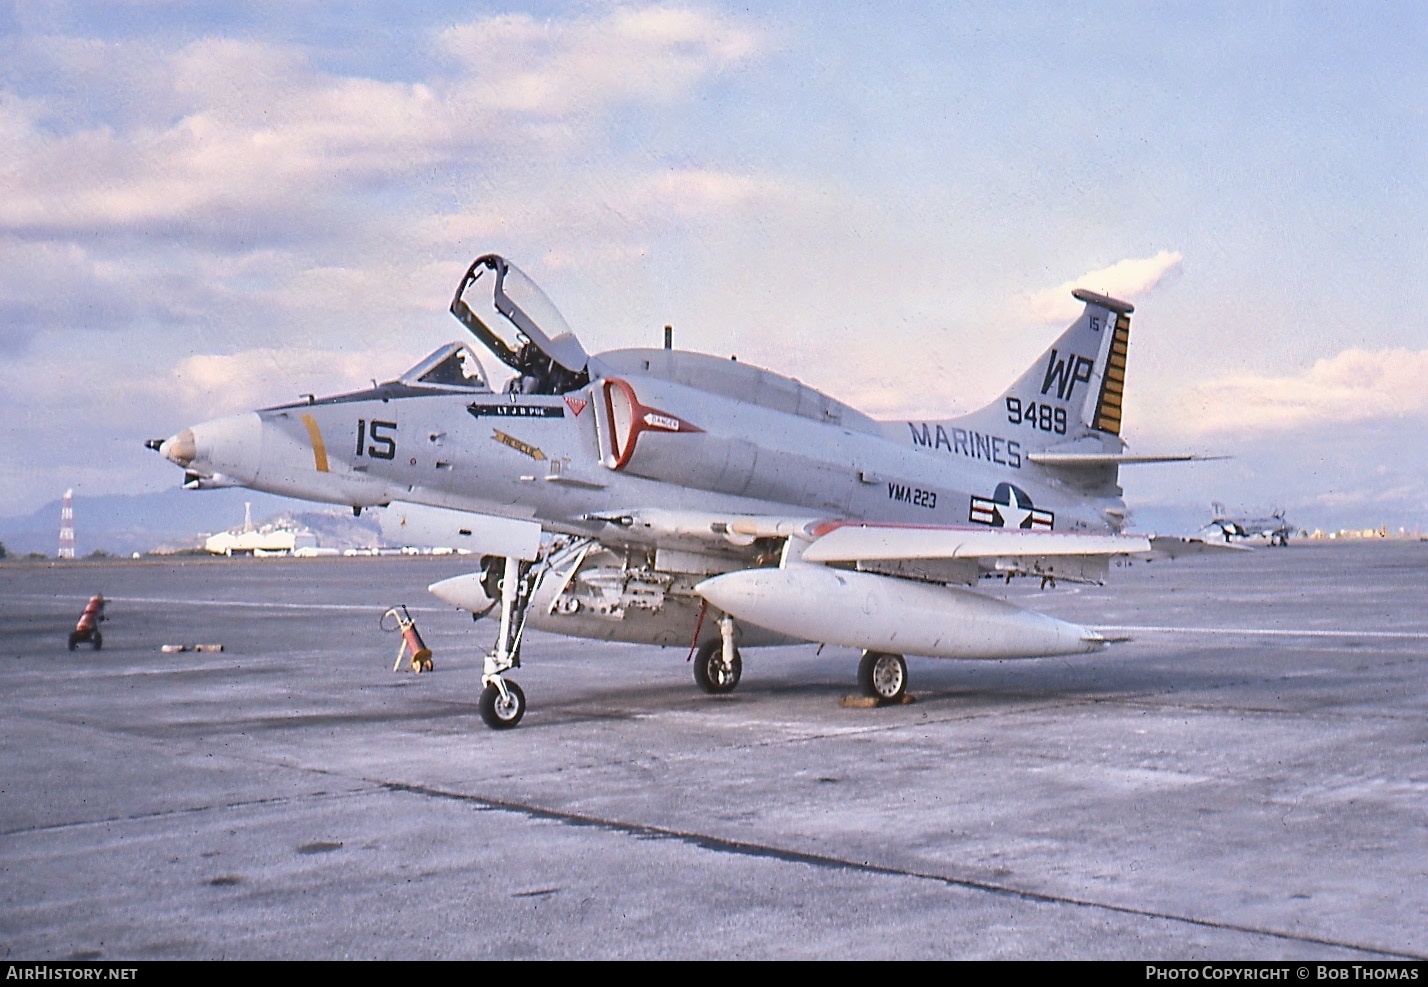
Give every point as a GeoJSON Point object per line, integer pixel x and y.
{"type": "Point", "coordinates": [502, 702]}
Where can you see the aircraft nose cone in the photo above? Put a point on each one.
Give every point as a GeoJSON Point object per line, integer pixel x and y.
{"type": "Point", "coordinates": [231, 446]}
{"type": "Point", "coordinates": [179, 449]}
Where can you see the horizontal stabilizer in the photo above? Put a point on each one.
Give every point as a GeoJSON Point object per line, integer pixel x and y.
{"type": "Point", "coordinates": [1092, 460]}
{"type": "Point", "coordinates": [1179, 547]}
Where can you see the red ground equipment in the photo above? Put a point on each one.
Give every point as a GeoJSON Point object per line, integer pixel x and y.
{"type": "Point", "coordinates": [88, 627]}
{"type": "Point", "coordinates": [421, 654]}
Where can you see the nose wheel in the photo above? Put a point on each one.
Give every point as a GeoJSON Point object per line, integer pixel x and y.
{"type": "Point", "coordinates": [503, 705]}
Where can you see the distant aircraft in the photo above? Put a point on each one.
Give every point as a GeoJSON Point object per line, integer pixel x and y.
{"type": "Point", "coordinates": [1274, 527]}
{"type": "Point", "coordinates": [676, 498]}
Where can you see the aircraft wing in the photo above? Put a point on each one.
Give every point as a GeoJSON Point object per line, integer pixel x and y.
{"type": "Point", "coordinates": [866, 542]}
{"type": "Point", "coordinates": [939, 553]}
{"type": "Point", "coordinates": [438, 527]}
{"type": "Point", "coordinates": [1065, 555]}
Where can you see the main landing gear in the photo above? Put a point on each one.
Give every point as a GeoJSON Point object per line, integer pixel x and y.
{"type": "Point", "coordinates": [717, 665]}
{"type": "Point", "coordinates": [515, 583]}
{"type": "Point", "coordinates": [883, 676]}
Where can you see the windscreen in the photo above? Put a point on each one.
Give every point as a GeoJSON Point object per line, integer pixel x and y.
{"type": "Point", "coordinates": [454, 365]}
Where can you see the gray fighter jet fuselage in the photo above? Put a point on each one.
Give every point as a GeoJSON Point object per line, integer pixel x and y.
{"type": "Point", "coordinates": [677, 498]}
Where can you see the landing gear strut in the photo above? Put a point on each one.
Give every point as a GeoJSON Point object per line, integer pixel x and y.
{"type": "Point", "coordinates": [502, 702]}
{"type": "Point", "coordinates": [717, 665]}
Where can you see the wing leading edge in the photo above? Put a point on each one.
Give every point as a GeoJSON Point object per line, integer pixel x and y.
{"type": "Point", "coordinates": [868, 542]}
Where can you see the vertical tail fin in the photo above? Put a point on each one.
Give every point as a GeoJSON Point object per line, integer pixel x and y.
{"type": "Point", "coordinates": [1074, 390]}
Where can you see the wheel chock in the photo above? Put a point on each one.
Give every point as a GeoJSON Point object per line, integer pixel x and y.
{"type": "Point", "coordinates": [872, 702]}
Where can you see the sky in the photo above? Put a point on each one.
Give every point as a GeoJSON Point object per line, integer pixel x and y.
{"type": "Point", "coordinates": [208, 207]}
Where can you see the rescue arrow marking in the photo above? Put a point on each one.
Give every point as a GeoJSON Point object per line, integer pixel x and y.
{"type": "Point", "coordinates": [524, 448]}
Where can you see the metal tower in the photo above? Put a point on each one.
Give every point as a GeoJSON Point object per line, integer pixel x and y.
{"type": "Point", "coordinates": [66, 545]}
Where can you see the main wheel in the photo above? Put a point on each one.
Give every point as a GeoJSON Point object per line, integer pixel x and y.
{"type": "Point", "coordinates": [98, 640]}
{"type": "Point", "coordinates": [882, 676]}
{"type": "Point", "coordinates": [502, 713]}
{"type": "Point", "coordinates": [709, 671]}
{"type": "Point", "coordinates": [73, 639]}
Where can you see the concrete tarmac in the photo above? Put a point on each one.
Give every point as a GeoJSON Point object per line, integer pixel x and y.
{"type": "Point", "coordinates": [1246, 778]}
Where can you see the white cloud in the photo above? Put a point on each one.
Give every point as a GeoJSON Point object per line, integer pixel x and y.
{"type": "Point", "coordinates": [224, 128]}
{"type": "Point", "coordinates": [705, 191]}
{"type": "Point", "coordinates": [258, 132]}
{"type": "Point", "coordinates": [210, 385]}
{"type": "Point", "coordinates": [1124, 279]}
{"type": "Point", "coordinates": [1354, 386]}
{"type": "Point", "coordinates": [172, 166]}
{"type": "Point", "coordinates": [567, 69]}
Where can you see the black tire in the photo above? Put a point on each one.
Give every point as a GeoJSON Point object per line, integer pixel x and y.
{"type": "Point", "coordinates": [98, 640]}
{"type": "Point", "coordinates": [73, 639]}
{"type": "Point", "coordinates": [499, 714]}
{"type": "Point", "coordinates": [883, 676]}
{"type": "Point", "coordinates": [709, 671]}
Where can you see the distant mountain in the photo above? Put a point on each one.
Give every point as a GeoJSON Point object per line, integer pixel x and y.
{"type": "Point", "coordinates": [176, 519]}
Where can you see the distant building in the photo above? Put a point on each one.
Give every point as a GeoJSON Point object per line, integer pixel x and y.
{"type": "Point", "coordinates": [270, 539]}
{"type": "Point", "coordinates": [276, 541]}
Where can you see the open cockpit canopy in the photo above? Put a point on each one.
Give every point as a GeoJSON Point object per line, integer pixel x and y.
{"type": "Point", "coordinates": [513, 318]}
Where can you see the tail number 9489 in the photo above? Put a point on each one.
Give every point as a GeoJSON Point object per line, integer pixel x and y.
{"type": "Point", "coordinates": [1043, 417]}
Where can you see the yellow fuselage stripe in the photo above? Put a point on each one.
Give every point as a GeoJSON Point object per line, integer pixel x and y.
{"type": "Point", "coordinates": [319, 448]}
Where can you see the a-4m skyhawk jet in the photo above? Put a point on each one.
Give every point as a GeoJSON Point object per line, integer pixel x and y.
{"type": "Point", "coordinates": [1274, 527]}
{"type": "Point", "coordinates": [674, 498]}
